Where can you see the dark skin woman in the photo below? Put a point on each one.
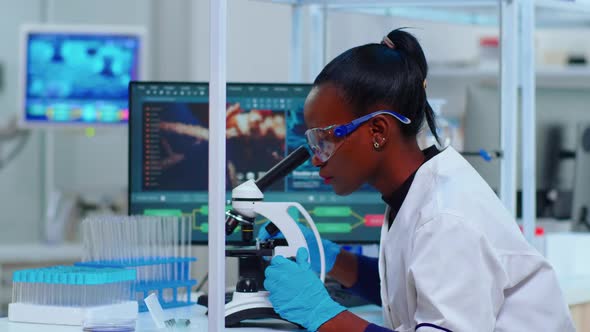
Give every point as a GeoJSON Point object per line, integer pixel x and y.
{"type": "Point", "coordinates": [451, 256]}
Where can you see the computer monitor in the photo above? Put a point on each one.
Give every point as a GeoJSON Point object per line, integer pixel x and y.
{"type": "Point", "coordinates": [169, 151]}
{"type": "Point", "coordinates": [581, 195]}
{"type": "Point", "coordinates": [78, 75]}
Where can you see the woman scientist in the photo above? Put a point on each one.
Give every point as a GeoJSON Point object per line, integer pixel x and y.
{"type": "Point", "coordinates": [451, 256]}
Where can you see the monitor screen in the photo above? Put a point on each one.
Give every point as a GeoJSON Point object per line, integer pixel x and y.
{"type": "Point", "coordinates": [78, 75]}
{"type": "Point", "coordinates": [169, 151]}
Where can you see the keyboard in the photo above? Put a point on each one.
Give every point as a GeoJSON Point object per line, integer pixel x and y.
{"type": "Point", "coordinates": [345, 297]}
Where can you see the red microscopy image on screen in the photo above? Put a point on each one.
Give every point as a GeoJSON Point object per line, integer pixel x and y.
{"type": "Point", "coordinates": [255, 142]}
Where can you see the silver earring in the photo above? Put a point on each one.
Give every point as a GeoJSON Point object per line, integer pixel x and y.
{"type": "Point", "coordinates": [377, 145]}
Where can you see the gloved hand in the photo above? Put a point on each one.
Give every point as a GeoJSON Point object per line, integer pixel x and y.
{"type": "Point", "coordinates": [331, 249]}
{"type": "Point", "coordinates": [297, 294]}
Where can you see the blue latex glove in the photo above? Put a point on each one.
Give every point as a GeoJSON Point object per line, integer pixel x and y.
{"type": "Point", "coordinates": [297, 294]}
{"type": "Point", "coordinates": [331, 249]}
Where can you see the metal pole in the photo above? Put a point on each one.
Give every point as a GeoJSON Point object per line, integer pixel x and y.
{"type": "Point", "coordinates": [50, 192]}
{"type": "Point", "coordinates": [217, 99]}
{"type": "Point", "coordinates": [318, 40]}
{"type": "Point", "coordinates": [527, 65]}
{"type": "Point", "coordinates": [296, 65]}
{"type": "Point", "coordinates": [52, 195]}
{"type": "Point", "coordinates": [508, 103]}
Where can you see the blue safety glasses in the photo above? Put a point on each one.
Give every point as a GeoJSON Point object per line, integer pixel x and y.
{"type": "Point", "coordinates": [324, 142]}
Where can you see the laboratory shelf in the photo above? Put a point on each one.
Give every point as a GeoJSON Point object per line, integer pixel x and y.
{"type": "Point", "coordinates": [517, 22]}
{"type": "Point", "coordinates": [475, 72]}
{"type": "Point", "coordinates": [429, 3]}
{"type": "Point", "coordinates": [582, 7]}
{"type": "Point", "coordinates": [549, 13]}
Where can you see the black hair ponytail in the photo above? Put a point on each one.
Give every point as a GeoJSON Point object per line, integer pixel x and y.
{"type": "Point", "coordinates": [431, 120]}
{"type": "Point", "coordinates": [407, 44]}
{"type": "Point", "coordinates": [392, 73]}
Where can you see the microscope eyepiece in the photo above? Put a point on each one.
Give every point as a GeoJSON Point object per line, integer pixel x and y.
{"type": "Point", "coordinates": [284, 167]}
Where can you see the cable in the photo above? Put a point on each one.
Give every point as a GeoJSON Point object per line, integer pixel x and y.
{"type": "Point", "coordinates": [20, 145]}
{"type": "Point", "coordinates": [11, 132]}
{"type": "Point", "coordinates": [202, 282]}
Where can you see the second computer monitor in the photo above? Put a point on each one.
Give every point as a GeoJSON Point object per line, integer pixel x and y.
{"type": "Point", "coordinates": [169, 127]}
{"type": "Point", "coordinates": [78, 75]}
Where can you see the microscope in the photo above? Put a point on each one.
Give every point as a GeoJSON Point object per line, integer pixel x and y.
{"type": "Point", "coordinates": [250, 299]}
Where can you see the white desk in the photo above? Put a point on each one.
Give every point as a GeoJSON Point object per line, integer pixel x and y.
{"type": "Point", "coordinates": [198, 322]}
{"type": "Point", "coordinates": [576, 292]}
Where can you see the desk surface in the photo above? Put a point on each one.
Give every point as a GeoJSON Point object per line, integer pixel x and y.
{"type": "Point", "coordinates": [576, 290]}
{"type": "Point", "coordinates": [198, 322]}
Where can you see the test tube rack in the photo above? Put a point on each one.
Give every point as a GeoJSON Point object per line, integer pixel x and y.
{"type": "Point", "coordinates": [173, 286]}
{"type": "Point", "coordinates": [157, 248]}
{"type": "Point", "coordinates": [67, 295]}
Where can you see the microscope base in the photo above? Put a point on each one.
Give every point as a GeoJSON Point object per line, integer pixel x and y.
{"type": "Point", "coordinates": [234, 320]}
{"type": "Point", "coordinates": [246, 306]}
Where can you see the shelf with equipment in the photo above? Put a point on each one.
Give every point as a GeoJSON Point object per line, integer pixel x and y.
{"type": "Point", "coordinates": [518, 21]}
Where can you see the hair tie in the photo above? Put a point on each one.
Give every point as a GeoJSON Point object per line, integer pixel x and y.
{"type": "Point", "coordinates": [387, 42]}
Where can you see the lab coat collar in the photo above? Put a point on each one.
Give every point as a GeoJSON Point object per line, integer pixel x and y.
{"type": "Point", "coordinates": [396, 199]}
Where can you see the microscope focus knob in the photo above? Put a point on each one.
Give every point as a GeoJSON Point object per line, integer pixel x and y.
{"type": "Point", "coordinates": [247, 285]}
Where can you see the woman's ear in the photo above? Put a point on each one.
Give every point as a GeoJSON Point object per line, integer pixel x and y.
{"type": "Point", "coordinates": [381, 130]}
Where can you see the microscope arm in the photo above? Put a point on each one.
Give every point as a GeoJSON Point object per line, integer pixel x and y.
{"type": "Point", "coordinates": [318, 239]}
{"type": "Point", "coordinates": [278, 214]}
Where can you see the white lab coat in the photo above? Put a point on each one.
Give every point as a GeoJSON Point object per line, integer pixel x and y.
{"type": "Point", "coordinates": [454, 259]}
